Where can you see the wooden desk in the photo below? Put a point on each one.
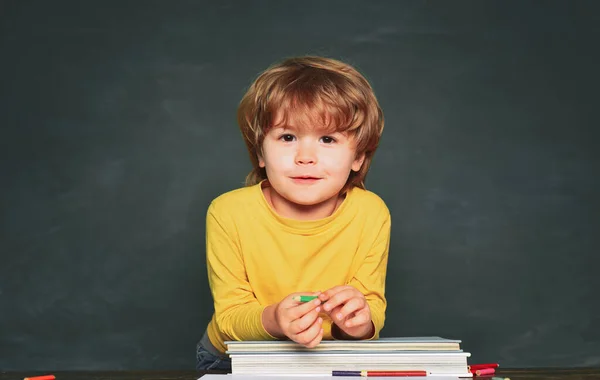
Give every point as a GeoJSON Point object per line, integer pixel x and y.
{"type": "Point", "coordinates": [513, 374]}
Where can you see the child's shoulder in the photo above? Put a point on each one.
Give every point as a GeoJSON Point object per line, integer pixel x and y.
{"type": "Point", "coordinates": [368, 200]}
{"type": "Point", "coordinates": [235, 199]}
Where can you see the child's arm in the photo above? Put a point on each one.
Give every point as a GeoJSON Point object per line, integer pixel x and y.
{"type": "Point", "coordinates": [362, 302]}
{"type": "Point", "coordinates": [370, 277]}
{"type": "Point", "coordinates": [238, 312]}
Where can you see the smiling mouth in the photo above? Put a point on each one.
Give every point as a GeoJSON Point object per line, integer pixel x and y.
{"type": "Point", "coordinates": [305, 180]}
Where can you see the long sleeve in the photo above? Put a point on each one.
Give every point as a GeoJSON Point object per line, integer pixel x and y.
{"type": "Point", "coordinates": [237, 311]}
{"type": "Point", "coordinates": [370, 277]}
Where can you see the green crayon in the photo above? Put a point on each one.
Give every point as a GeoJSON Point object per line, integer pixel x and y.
{"type": "Point", "coordinates": [304, 298]}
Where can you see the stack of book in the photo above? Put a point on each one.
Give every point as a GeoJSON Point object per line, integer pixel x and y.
{"type": "Point", "coordinates": [434, 355]}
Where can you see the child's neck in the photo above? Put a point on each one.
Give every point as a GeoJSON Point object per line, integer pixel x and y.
{"type": "Point", "coordinates": [290, 210]}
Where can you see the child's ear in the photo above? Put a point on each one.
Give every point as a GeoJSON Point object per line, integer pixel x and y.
{"type": "Point", "coordinates": [358, 162]}
{"type": "Point", "coordinates": [261, 161]}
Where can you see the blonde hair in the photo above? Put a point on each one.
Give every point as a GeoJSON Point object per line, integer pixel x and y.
{"type": "Point", "coordinates": [325, 90]}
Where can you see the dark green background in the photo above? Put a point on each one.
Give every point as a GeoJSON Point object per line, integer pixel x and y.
{"type": "Point", "coordinates": [118, 128]}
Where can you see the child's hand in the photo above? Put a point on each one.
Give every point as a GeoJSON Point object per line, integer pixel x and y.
{"type": "Point", "coordinates": [349, 310]}
{"type": "Point", "coordinates": [300, 321]}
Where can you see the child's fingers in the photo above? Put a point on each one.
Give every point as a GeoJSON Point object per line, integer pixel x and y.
{"type": "Point", "coordinates": [360, 318]}
{"type": "Point", "coordinates": [334, 312]}
{"type": "Point", "coordinates": [317, 339]}
{"type": "Point", "coordinates": [313, 333]}
{"type": "Point", "coordinates": [302, 309]}
{"type": "Point", "coordinates": [299, 325]}
{"type": "Point", "coordinates": [333, 291]}
{"type": "Point", "coordinates": [352, 305]}
{"type": "Point", "coordinates": [338, 299]}
{"type": "Point", "coordinates": [323, 296]}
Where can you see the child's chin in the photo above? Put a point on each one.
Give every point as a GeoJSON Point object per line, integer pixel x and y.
{"type": "Point", "coordinates": [306, 203]}
{"type": "Point", "coordinates": [309, 200]}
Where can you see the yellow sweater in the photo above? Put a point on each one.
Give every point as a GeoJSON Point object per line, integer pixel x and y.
{"type": "Point", "coordinates": [255, 258]}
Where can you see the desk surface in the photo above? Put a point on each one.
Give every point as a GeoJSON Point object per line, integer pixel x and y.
{"type": "Point", "coordinates": [513, 374]}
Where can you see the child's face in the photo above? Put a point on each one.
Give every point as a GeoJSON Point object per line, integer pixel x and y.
{"type": "Point", "coordinates": [308, 166]}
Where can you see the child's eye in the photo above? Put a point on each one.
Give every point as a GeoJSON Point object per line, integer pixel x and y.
{"type": "Point", "coordinates": [327, 139]}
{"type": "Point", "coordinates": [287, 137]}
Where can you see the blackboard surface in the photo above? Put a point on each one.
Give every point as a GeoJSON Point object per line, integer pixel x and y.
{"type": "Point", "coordinates": [117, 128]}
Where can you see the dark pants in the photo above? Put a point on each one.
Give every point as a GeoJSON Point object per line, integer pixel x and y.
{"type": "Point", "coordinates": [208, 357]}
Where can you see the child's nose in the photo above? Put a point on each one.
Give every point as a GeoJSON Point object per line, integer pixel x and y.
{"type": "Point", "coordinates": [306, 155]}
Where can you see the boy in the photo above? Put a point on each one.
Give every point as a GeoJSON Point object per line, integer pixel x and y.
{"type": "Point", "coordinates": [304, 224]}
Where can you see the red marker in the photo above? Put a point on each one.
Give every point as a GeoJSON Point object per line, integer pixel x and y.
{"type": "Point", "coordinates": [485, 371]}
{"type": "Point", "coordinates": [483, 366]}
{"type": "Point", "coordinates": [45, 377]}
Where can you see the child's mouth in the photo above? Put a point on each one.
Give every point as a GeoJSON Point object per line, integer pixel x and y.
{"type": "Point", "coordinates": [305, 179]}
